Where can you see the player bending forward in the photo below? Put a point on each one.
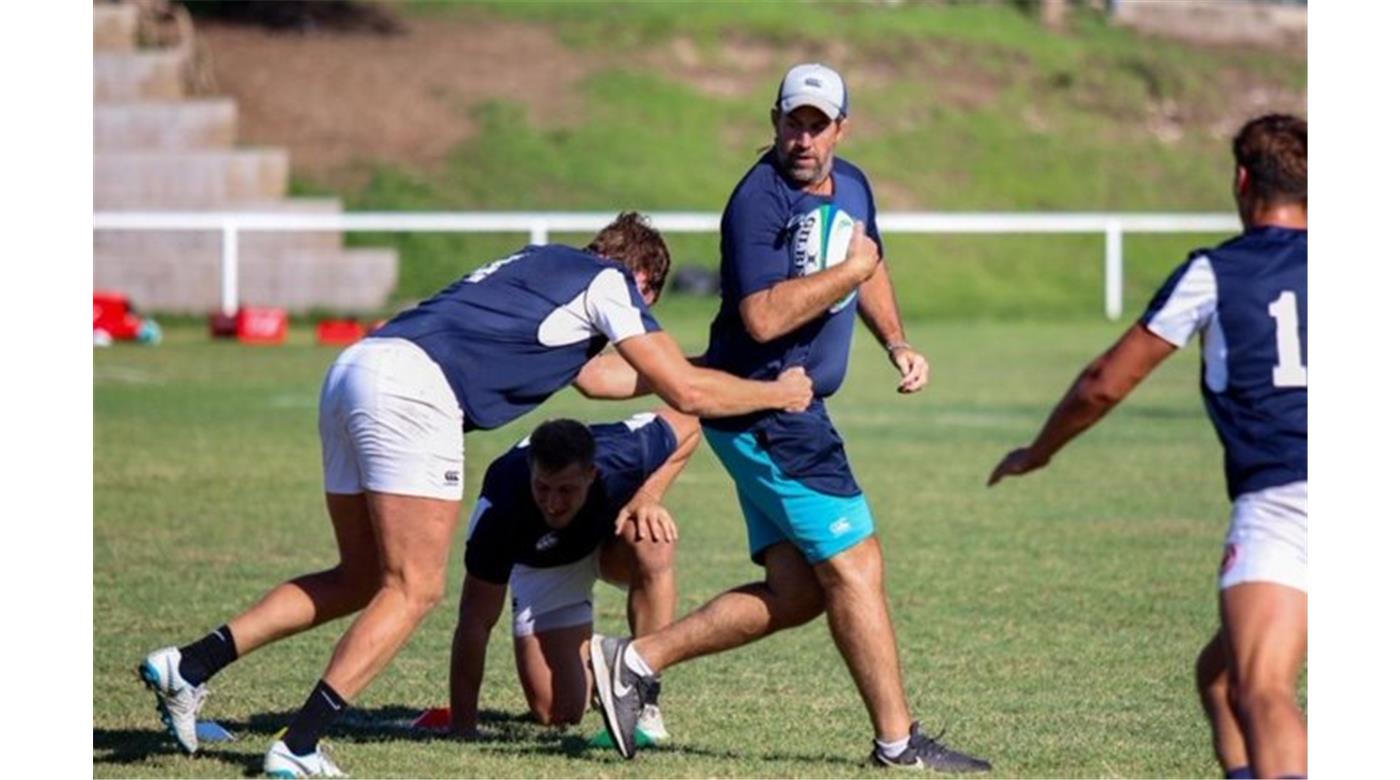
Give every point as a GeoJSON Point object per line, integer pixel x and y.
{"type": "Point", "coordinates": [1248, 298]}
{"type": "Point", "coordinates": [487, 349]}
{"type": "Point", "coordinates": [570, 504]}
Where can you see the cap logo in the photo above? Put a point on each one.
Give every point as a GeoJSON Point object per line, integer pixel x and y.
{"type": "Point", "coordinates": [812, 82]}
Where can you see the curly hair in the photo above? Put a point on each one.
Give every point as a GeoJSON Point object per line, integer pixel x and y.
{"type": "Point", "coordinates": [631, 240]}
{"type": "Point", "coordinates": [1273, 149]}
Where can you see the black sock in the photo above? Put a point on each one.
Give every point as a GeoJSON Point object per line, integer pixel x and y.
{"type": "Point", "coordinates": [203, 659]}
{"type": "Point", "coordinates": [1239, 773]}
{"type": "Point", "coordinates": [321, 709]}
{"type": "Point", "coordinates": [651, 690]}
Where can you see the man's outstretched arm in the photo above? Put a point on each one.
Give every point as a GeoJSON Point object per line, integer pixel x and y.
{"type": "Point", "coordinates": [1099, 388]}
{"type": "Point", "coordinates": [477, 614]}
{"type": "Point", "coordinates": [704, 392]}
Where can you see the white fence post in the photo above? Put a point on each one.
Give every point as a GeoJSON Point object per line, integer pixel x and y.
{"type": "Point", "coordinates": [1113, 269]}
{"type": "Point", "coordinates": [229, 269]}
{"type": "Point", "coordinates": [539, 232]}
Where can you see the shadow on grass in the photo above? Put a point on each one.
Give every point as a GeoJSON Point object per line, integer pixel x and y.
{"type": "Point", "coordinates": [577, 747]}
{"type": "Point", "coordinates": [516, 734]}
{"type": "Point", "coordinates": [138, 746]}
{"type": "Point", "coordinates": [390, 722]}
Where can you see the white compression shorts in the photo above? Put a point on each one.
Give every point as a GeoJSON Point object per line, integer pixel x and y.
{"type": "Point", "coordinates": [390, 423]}
{"type": "Point", "coordinates": [1268, 538]}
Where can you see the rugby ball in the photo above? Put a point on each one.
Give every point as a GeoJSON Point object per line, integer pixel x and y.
{"type": "Point", "coordinates": [820, 239]}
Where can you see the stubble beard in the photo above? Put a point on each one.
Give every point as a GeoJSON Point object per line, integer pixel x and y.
{"type": "Point", "coordinates": [804, 176]}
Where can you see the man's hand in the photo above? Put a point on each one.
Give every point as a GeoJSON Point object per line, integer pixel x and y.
{"type": "Point", "coordinates": [1017, 462]}
{"type": "Point", "coordinates": [466, 733]}
{"type": "Point", "coordinates": [912, 366]}
{"type": "Point", "coordinates": [862, 253]}
{"type": "Point", "coordinates": [650, 520]}
{"type": "Point", "coordinates": [798, 387]}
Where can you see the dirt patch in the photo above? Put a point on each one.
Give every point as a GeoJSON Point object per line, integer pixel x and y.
{"type": "Point", "coordinates": [339, 102]}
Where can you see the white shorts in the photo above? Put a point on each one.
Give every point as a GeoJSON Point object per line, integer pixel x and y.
{"type": "Point", "coordinates": [390, 423]}
{"type": "Point", "coordinates": [556, 597]}
{"type": "Point", "coordinates": [1268, 538]}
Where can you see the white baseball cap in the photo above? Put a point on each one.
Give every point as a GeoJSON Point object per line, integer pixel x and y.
{"type": "Point", "coordinates": [814, 85]}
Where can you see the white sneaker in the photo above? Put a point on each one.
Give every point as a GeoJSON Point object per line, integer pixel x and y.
{"type": "Point", "coordinates": [177, 700]}
{"type": "Point", "coordinates": [282, 762]}
{"type": "Point", "coordinates": [651, 724]}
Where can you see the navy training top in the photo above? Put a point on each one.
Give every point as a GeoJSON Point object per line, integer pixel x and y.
{"type": "Point", "coordinates": [507, 527]}
{"type": "Point", "coordinates": [513, 332]}
{"type": "Point", "coordinates": [1248, 297]}
{"type": "Point", "coordinates": [756, 252]}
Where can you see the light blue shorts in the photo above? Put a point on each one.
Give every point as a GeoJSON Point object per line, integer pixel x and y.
{"type": "Point", "coordinates": [779, 508]}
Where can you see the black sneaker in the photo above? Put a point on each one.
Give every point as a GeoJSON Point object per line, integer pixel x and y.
{"type": "Point", "coordinates": [925, 752]}
{"type": "Point", "coordinates": [618, 691]}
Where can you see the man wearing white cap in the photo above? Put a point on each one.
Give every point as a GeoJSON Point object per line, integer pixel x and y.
{"type": "Point", "coordinates": [809, 524]}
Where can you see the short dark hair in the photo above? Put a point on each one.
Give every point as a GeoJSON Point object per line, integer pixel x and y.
{"type": "Point", "coordinates": [1273, 149]}
{"type": "Point", "coordinates": [631, 240]}
{"type": "Point", "coordinates": [558, 444]}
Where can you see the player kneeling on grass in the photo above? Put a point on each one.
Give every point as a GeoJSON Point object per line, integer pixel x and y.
{"type": "Point", "coordinates": [567, 506]}
{"type": "Point", "coordinates": [1248, 298]}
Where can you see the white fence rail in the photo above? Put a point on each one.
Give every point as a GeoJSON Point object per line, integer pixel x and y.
{"type": "Point", "coordinates": [540, 224]}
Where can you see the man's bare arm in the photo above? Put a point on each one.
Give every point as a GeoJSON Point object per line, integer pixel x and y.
{"type": "Point", "coordinates": [652, 520]}
{"type": "Point", "coordinates": [610, 377]}
{"type": "Point", "coordinates": [790, 304]}
{"type": "Point", "coordinates": [476, 615]}
{"type": "Point", "coordinates": [705, 392]}
{"type": "Point", "coordinates": [880, 312]}
{"type": "Point", "coordinates": [1099, 388]}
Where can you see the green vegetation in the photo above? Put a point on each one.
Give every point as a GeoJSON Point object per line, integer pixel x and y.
{"type": "Point", "coordinates": [1051, 622]}
{"type": "Point", "coordinates": [956, 107]}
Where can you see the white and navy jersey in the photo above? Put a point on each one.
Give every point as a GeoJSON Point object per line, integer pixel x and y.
{"type": "Point", "coordinates": [756, 232]}
{"type": "Point", "coordinates": [1248, 298]}
{"type": "Point", "coordinates": [515, 331]}
{"type": "Point", "coordinates": [507, 527]}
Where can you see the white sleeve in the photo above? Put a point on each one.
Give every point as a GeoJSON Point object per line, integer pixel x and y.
{"type": "Point", "coordinates": [609, 307]}
{"type": "Point", "coordinates": [1185, 304]}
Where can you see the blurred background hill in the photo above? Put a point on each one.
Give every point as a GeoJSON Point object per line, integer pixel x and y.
{"type": "Point", "coordinates": [663, 106]}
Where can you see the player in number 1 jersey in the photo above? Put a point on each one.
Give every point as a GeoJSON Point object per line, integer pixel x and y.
{"type": "Point", "coordinates": [1248, 299]}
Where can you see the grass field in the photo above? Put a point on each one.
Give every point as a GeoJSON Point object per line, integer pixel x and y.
{"type": "Point", "coordinates": [1050, 623]}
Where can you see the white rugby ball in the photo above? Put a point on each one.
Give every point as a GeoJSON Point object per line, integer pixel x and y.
{"type": "Point", "coordinates": [820, 239]}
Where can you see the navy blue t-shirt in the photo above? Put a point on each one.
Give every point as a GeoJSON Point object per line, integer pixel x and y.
{"type": "Point", "coordinates": [515, 331]}
{"type": "Point", "coordinates": [507, 527]}
{"type": "Point", "coordinates": [1248, 298]}
{"type": "Point", "coordinates": [756, 234]}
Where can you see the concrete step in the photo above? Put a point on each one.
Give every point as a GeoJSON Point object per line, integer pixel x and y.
{"type": "Point", "coordinates": [185, 124]}
{"type": "Point", "coordinates": [139, 75]}
{"type": "Point", "coordinates": [114, 27]}
{"type": "Point", "coordinates": [350, 281]}
{"type": "Point", "coordinates": [206, 244]}
{"type": "Point", "coordinates": [188, 180]}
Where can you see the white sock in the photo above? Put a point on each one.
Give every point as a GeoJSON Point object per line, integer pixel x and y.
{"type": "Point", "coordinates": [636, 662]}
{"type": "Point", "coordinates": [892, 749]}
